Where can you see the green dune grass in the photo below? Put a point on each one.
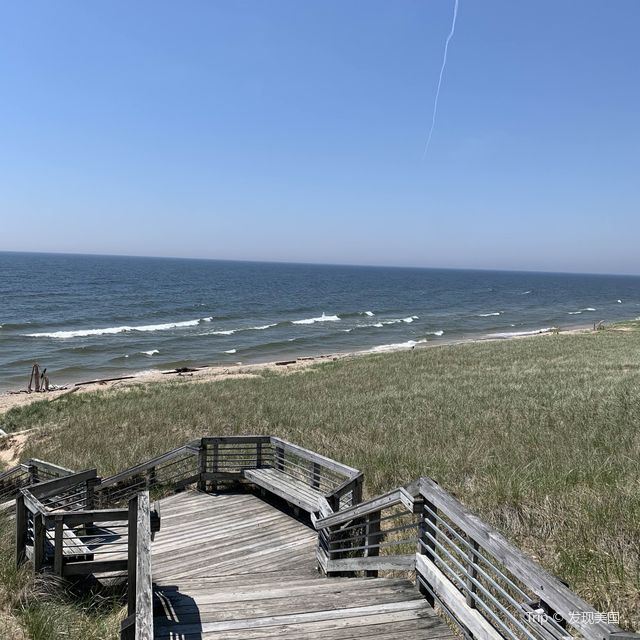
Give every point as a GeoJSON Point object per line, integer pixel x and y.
{"type": "Point", "coordinates": [540, 436]}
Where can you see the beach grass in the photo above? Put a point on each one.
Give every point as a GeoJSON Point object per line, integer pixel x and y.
{"type": "Point", "coordinates": [539, 436]}
{"type": "Point", "coordinates": [46, 608]}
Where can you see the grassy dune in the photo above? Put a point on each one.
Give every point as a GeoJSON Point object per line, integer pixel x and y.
{"type": "Point", "coordinates": [540, 436]}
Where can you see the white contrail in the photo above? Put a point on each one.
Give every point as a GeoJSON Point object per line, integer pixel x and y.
{"type": "Point", "coordinates": [444, 64]}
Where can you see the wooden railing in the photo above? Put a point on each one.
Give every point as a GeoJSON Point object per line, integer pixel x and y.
{"type": "Point", "coordinates": [78, 524]}
{"type": "Point", "coordinates": [58, 528]}
{"type": "Point", "coordinates": [225, 459]}
{"type": "Point", "coordinates": [139, 622]}
{"type": "Point", "coordinates": [480, 580]}
{"type": "Point", "coordinates": [163, 474]}
{"type": "Point", "coordinates": [379, 534]}
{"type": "Point", "coordinates": [28, 473]}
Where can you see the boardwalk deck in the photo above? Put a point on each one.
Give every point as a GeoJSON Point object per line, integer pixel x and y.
{"type": "Point", "coordinates": [233, 567]}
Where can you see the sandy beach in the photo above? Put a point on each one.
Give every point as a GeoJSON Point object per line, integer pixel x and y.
{"type": "Point", "coordinates": [18, 398]}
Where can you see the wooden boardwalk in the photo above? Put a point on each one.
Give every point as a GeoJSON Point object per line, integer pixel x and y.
{"type": "Point", "coordinates": [227, 564]}
{"type": "Point", "coordinates": [232, 567]}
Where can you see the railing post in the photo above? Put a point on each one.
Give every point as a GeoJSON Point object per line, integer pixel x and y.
{"type": "Point", "coordinates": [279, 458]}
{"type": "Point", "coordinates": [39, 534]}
{"type": "Point", "coordinates": [258, 455]}
{"type": "Point", "coordinates": [33, 473]}
{"type": "Point", "coordinates": [202, 465]}
{"type": "Point", "coordinates": [151, 477]}
{"type": "Point", "coordinates": [90, 496]}
{"type": "Point", "coordinates": [427, 522]}
{"type": "Point", "coordinates": [356, 492]}
{"type": "Point", "coordinates": [472, 570]}
{"type": "Point", "coordinates": [374, 536]}
{"type": "Point", "coordinates": [58, 545]}
{"type": "Point", "coordinates": [21, 530]}
{"type": "Point", "coordinates": [316, 470]}
{"type": "Point", "coordinates": [132, 545]}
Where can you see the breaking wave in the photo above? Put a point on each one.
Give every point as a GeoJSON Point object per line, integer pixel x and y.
{"type": "Point", "coordinates": [322, 318]}
{"type": "Point", "coordinates": [83, 333]}
{"type": "Point", "coordinates": [150, 353]}
{"type": "Point", "coordinates": [396, 346]}
{"type": "Point", "coordinates": [486, 315]}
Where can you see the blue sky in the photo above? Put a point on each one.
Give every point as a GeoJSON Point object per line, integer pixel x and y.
{"type": "Point", "coordinates": [294, 131]}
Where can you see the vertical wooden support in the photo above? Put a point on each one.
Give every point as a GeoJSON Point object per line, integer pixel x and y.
{"type": "Point", "coordinates": [90, 496]}
{"type": "Point", "coordinates": [374, 537]}
{"type": "Point", "coordinates": [215, 465]}
{"type": "Point", "coordinates": [132, 545]}
{"type": "Point", "coordinates": [356, 492]}
{"type": "Point", "coordinates": [472, 570]}
{"type": "Point", "coordinates": [39, 534]}
{"type": "Point", "coordinates": [258, 455]}
{"type": "Point", "coordinates": [427, 523]}
{"type": "Point", "coordinates": [144, 585]}
{"type": "Point", "coordinates": [279, 458]}
{"type": "Point", "coordinates": [151, 478]}
{"type": "Point", "coordinates": [33, 474]}
{"type": "Point", "coordinates": [202, 466]}
{"type": "Point", "coordinates": [21, 530]}
{"type": "Point", "coordinates": [58, 540]}
{"type": "Point", "coordinates": [314, 479]}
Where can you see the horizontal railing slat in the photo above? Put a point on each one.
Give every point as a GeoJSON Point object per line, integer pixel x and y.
{"type": "Point", "coordinates": [314, 457]}
{"type": "Point", "coordinates": [149, 464]}
{"type": "Point", "coordinates": [364, 508]}
{"type": "Point", "coordinates": [544, 585]}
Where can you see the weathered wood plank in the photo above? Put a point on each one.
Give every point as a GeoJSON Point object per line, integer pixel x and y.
{"type": "Point", "coordinates": [373, 563]}
{"type": "Point", "coordinates": [555, 594]}
{"type": "Point", "coordinates": [291, 490]}
{"type": "Point", "coordinates": [370, 506]}
{"type": "Point", "coordinates": [144, 587]}
{"type": "Point", "coordinates": [456, 602]}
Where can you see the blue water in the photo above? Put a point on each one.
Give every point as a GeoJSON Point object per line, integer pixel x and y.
{"type": "Point", "coordinates": [88, 316]}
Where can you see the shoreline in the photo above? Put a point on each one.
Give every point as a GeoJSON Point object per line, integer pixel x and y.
{"type": "Point", "coordinates": [209, 373]}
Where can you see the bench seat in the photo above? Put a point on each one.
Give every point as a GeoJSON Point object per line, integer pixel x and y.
{"type": "Point", "coordinates": [72, 546]}
{"type": "Point", "coordinates": [283, 485]}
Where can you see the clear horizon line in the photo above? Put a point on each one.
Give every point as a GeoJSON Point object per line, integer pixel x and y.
{"type": "Point", "coordinates": [322, 264]}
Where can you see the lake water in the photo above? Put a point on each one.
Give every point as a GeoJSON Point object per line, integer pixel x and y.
{"type": "Point", "coordinates": [97, 316]}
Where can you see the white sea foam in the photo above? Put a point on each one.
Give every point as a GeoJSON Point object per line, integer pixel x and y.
{"type": "Point", "coordinates": [398, 345]}
{"type": "Point", "coordinates": [227, 332]}
{"type": "Point", "coordinates": [262, 327]}
{"type": "Point", "coordinates": [574, 313]}
{"type": "Point", "coordinates": [150, 353]}
{"type": "Point", "coordinates": [409, 319]}
{"type": "Point", "coordinates": [486, 315]}
{"type": "Point", "coordinates": [619, 302]}
{"type": "Point", "coordinates": [209, 319]}
{"type": "Point", "coordinates": [231, 351]}
{"type": "Point", "coordinates": [436, 333]}
{"type": "Point", "coordinates": [377, 325]}
{"type": "Point", "coordinates": [515, 334]}
{"type": "Point", "coordinates": [83, 333]}
{"type": "Point", "coordinates": [525, 293]}
{"type": "Point", "coordinates": [369, 313]}
{"type": "Point", "coordinates": [588, 309]}
{"type": "Point", "coordinates": [322, 318]}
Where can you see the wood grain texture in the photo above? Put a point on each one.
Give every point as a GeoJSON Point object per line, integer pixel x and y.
{"type": "Point", "coordinates": [233, 567]}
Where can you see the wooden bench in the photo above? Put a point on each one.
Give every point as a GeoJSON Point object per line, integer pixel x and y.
{"type": "Point", "coordinates": [73, 549]}
{"type": "Point", "coordinates": [283, 485]}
